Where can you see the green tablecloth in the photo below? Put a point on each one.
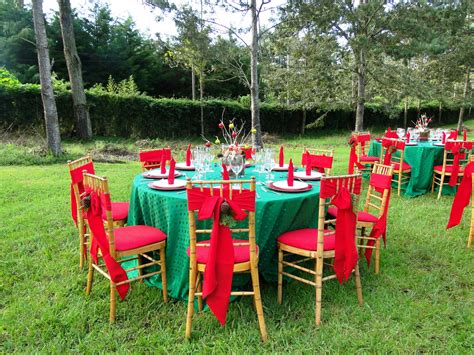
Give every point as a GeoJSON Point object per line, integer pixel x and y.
{"type": "Point", "coordinates": [422, 158]}
{"type": "Point", "coordinates": [167, 210]}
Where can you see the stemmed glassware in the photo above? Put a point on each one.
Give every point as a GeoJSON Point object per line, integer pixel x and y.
{"type": "Point", "coordinates": [268, 163]}
{"type": "Point", "coordinates": [237, 164]}
{"type": "Point", "coordinates": [401, 133]}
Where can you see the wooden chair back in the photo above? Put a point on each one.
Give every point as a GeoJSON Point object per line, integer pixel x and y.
{"type": "Point", "coordinates": [100, 185]}
{"type": "Point", "coordinates": [219, 187]}
{"type": "Point", "coordinates": [376, 201]}
{"type": "Point", "coordinates": [448, 157]}
{"type": "Point", "coordinates": [399, 144]}
{"type": "Point", "coordinates": [320, 152]}
{"type": "Point", "coordinates": [151, 159]}
{"type": "Point", "coordinates": [73, 165]}
{"type": "Point", "coordinates": [361, 138]}
{"type": "Point", "coordinates": [353, 183]}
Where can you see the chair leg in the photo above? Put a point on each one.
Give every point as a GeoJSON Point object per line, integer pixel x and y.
{"type": "Point", "coordinates": [164, 283]}
{"type": "Point", "coordinates": [358, 285]}
{"type": "Point", "coordinates": [258, 303]}
{"type": "Point", "coordinates": [280, 276]}
{"type": "Point", "coordinates": [113, 301]}
{"type": "Point", "coordinates": [433, 182]}
{"type": "Point", "coordinates": [192, 290]}
{"type": "Point", "coordinates": [470, 240]}
{"type": "Point", "coordinates": [362, 234]}
{"type": "Point", "coordinates": [90, 276]}
{"type": "Point", "coordinates": [199, 288]}
{"type": "Point", "coordinates": [82, 242]}
{"type": "Point", "coordinates": [319, 288]}
{"type": "Point", "coordinates": [377, 255]}
{"type": "Point", "coordinates": [400, 174]}
{"type": "Point", "coordinates": [140, 262]}
{"type": "Point", "coordinates": [440, 186]}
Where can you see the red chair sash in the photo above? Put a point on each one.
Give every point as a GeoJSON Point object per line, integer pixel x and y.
{"type": "Point", "coordinates": [453, 135]}
{"type": "Point", "coordinates": [345, 258]}
{"type": "Point", "coordinates": [391, 147]}
{"type": "Point", "coordinates": [380, 183]}
{"type": "Point", "coordinates": [353, 159]}
{"type": "Point", "coordinates": [458, 151]}
{"type": "Point", "coordinates": [76, 178]}
{"type": "Point", "coordinates": [154, 156]}
{"type": "Point", "coordinates": [462, 198]}
{"type": "Point", "coordinates": [391, 134]}
{"type": "Point", "coordinates": [100, 240]}
{"type": "Point", "coordinates": [318, 162]}
{"type": "Point", "coordinates": [220, 263]}
{"type": "Point", "coordinates": [248, 153]}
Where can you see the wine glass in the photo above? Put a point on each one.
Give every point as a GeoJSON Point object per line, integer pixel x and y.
{"type": "Point", "coordinates": [237, 164]}
{"type": "Point", "coordinates": [401, 132]}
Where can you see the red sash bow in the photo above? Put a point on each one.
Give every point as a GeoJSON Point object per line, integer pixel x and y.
{"type": "Point", "coordinates": [100, 240]}
{"type": "Point", "coordinates": [353, 160]}
{"type": "Point", "coordinates": [76, 178]}
{"type": "Point", "coordinates": [462, 198]}
{"type": "Point", "coordinates": [457, 150]}
{"type": "Point", "coordinates": [380, 183]}
{"type": "Point", "coordinates": [220, 263]}
{"type": "Point", "coordinates": [346, 256]}
{"type": "Point", "coordinates": [391, 147]}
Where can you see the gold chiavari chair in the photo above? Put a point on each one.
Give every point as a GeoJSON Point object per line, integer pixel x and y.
{"type": "Point", "coordinates": [401, 169]}
{"type": "Point", "coordinates": [151, 159]}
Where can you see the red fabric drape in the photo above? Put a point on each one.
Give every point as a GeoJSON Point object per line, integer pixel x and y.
{"type": "Point", "coordinates": [353, 159]}
{"type": "Point", "coordinates": [318, 162]}
{"type": "Point", "coordinates": [163, 164]}
{"type": "Point", "coordinates": [100, 240]}
{"type": "Point", "coordinates": [154, 156]}
{"type": "Point", "coordinates": [281, 157]}
{"type": "Point", "coordinates": [291, 176]}
{"type": "Point", "coordinates": [346, 255]}
{"type": "Point", "coordinates": [390, 134]}
{"type": "Point", "coordinates": [188, 155]}
{"type": "Point", "coordinates": [220, 263]}
{"type": "Point", "coordinates": [462, 198]}
{"type": "Point", "coordinates": [453, 135]}
{"type": "Point", "coordinates": [391, 147]}
{"type": "Point", "coordinates": [380, 183]}
{"type": "Point", "coordinates": [248, 153]}
{"type": "Point", "coordinates": [171, 172]}
{"type": "Point", "coordinates": [457, 149]}
{"type": "Point", "coordinates": [76, 178]}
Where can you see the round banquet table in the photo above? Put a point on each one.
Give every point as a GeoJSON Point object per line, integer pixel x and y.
{"type": "Point", "coordinates": [167, 210]}
{"type": "Point", "coordinates": [422, 158]}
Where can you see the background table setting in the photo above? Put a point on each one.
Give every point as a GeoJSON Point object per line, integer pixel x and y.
{"type": "Point", "coordinates": [163, 204]}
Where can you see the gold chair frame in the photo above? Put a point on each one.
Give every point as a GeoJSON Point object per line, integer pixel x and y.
{"type": "Point", "coordinates": [320, 151]}
{"type": "Point", "coordinates": [149, 165]}
{"type": "Point", "coordinates": [403, 175]}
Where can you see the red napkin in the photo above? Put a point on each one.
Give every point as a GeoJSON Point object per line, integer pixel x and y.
{"type": "Point", "coordinates": [171, 172]}
{"type": "Point", "coordinates": [188, 155]}
{"type": "Point", "coordinates": [163, 164]}
{"type": "Point", "coordinates": [308, 164]}
{"type": "Point", "coordinates": [464, 135]}
{"type": "Point", "coordinates": [281, 160]}
{"type": "Point", "coordinates": [408, 137]}
{"type": "Point", "coordinates": [453, 135]}
{"type": "Point", "coordinates": [443, 138]}
{"type": "Point", "coordinates": [225, 173]}
{"type": "Point", "coordinates": [291, 176]}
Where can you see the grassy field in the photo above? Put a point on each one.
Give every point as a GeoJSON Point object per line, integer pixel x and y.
{"type": "Point", "coordinates": [422, 301]}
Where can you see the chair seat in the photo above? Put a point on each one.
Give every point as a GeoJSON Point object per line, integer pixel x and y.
{"type": "Point", "coordinates": [119, 211]}
{"type": "Point", "coordinates": [449, 169]}
{"type": "Point", "coordinates": [307, 239]}
{"type": "Point", "coordinates": [133, 237]}
{"type": "Point", "coordinates": [396, 166]}
{"type": "Point", "coordinates": [368, 159]}
{"type": "Point", "coordinates": [361, 215]}
{"type": "Point", "coordinates": [241, 252]}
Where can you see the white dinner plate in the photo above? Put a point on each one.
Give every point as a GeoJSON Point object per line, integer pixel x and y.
{"type": "Point", "coordinates": [315, 175]}
{"type": "Point", "coordinates": [164, 185]}
{"type": "Point", "coordinates": [156, 174]}
{"type": "Point", "coordinates": [297, 185]}
{"type": "Point", "coordinates": [183, 166]}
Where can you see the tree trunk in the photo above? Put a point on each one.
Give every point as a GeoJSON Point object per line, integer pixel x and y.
{"type": "Point", "coordinates": [464, 96]}
{"type": "Point", "coordinates": [201, 100]}
{"type": "Point", "coordinates": [53, 136]}
{"type": "Point", "coordinates": [73, 62]}
{"type": "Point", "coordinates": [359, 124]}
{"type": "Point", "coordinates": [405, 113]}
{"type": "Point", "coordinates": [193, 84]}
{"type": "Point", "coordinates": [440, 112]}
{"type": "Point", "coordinates": [254, 91]}
{"type": "Point", "coordinates": [303, 121]}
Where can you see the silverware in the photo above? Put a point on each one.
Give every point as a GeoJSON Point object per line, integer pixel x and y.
{"type": "Point", "coordinates": [266, 190]}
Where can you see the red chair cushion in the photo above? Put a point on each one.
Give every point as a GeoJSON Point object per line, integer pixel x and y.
{"type": "Point", "coordinates": [361, 215]}
{"type": "Point", "coordinates": [307, 239]}
{"type": "Point", "coordinates": [396, 166]}
{"type": "Point", "coordinates": [119, 211]}
{"type": "Point", "coordinates": [132, 237]}
{"type": "Point", "coordinates": [449, 168]}
{"type": "Point", "coordinates": [241, 252]}
{"type": "Point", "coordinates": [366, 158]}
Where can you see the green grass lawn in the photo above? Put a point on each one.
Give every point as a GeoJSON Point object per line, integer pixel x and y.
{"type": "Point", "coordinates": [423, 299]}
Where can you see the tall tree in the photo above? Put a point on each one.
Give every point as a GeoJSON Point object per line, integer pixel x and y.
{"type": "Point", "coordinates": [81, 111]}
{"type": "Point", "coordinates": [47, 95]}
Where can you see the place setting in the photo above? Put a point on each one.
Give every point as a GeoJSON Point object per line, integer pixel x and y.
{"type": "Point", "coordinates": [290, 184]}
{"type": "Point", "coordinates": [169, 183]}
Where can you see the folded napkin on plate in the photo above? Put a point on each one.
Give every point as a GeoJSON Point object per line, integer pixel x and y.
{"type": "Point", "coordinates": [281, 159]}
{"type": "Point", "coordinates": [443, 137]}
{"type": "Point", "coordinates": [308, 163]}
{"type": "Point", "coordinates": [225, 173]}
{"type": "Point", "coordinates": [171, 172]}
{"type": "Point", "coordinates": [291, 176]}
{"type": "Point", "coordinates": [163, 164]}
{"type": "Point", "coordinates": [408, 137]}
{"type": "Point", "coordinates": [464, 135]}
{"type": "Point", "coordinates": [188, 155]}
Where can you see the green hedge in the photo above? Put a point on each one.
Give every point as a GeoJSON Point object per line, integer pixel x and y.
{"type": "Point", "coordinates": [142, 116]}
